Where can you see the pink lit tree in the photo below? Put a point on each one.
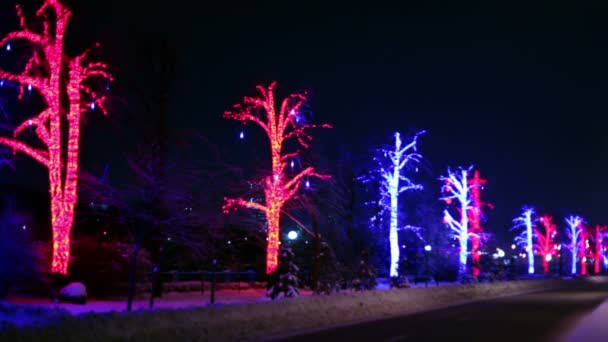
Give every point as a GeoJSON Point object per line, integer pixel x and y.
{"type": "Point", "coordinates": [280, 125]}
{"type": "Point", "coordinates": [65, 84]}
{"type": "Point", "coordinates": [476, 216]}
{"type": "Point", "coordinates": [545, 241]}
{"type": "Point", "coordinates": [598, 234]}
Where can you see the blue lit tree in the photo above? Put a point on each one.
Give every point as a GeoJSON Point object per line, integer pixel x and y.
{"type": "Point", "coordinates": [393, 163]}
{"type": "Point", "coordinates": [525, 225]}
{"type": "Point", "coordinates": [575, 228]}
{"type": "Point", "coordinates": [457, 187]}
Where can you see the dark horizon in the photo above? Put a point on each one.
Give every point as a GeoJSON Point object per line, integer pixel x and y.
{"type": "Point", "coordinates": [517, 91]}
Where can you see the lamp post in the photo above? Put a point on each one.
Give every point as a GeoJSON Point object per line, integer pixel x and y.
{"type": "Point", "coordinates": [559, 255]}
{"type": "Point", "coordinates": [427, 250]}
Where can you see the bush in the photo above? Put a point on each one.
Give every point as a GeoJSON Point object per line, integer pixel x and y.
{"type": "Point", "coordinates": [20, 262]}
{"type": "Point", "coordinates": [366, 275]}
{"type": "Point", "coordinates": [104, 266]}
{"type": "Point", "coordinates": [284, 282]}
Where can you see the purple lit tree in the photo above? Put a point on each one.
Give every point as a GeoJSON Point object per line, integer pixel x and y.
{"type": "Point", "coordinates": [457, 187]}
{"type": "Point", "coordinates": [393, 163]}
{"type": "Point", "coordinates": [524, 224]}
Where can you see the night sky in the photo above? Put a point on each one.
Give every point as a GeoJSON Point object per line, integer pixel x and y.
{"type": "Point", "coordinates": [519, 91]}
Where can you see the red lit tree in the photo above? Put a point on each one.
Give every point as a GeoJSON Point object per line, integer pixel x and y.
{"type": "Point", "coordinates": [65, 84]}
{"type": "Point", "coordinates": [279, 126]}
{"type": "Point", "coordinates": [598, 233]}
{"type": "Point", "coordinates": [545, 241]}
{"type": "Point", "coordinates": [583, 249]}
{"type": "Point", "coordinates": [475, 217]}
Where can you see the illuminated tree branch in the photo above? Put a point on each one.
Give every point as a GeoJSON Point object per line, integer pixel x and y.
{"type": "Point", "coordinates": [279, 127]}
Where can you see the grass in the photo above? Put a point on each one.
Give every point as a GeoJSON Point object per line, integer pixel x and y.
{"type": "Point", "coordinates": [251, 321]}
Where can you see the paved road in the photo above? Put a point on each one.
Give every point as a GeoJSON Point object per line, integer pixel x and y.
{"type": "Point", "coordinates": [533, 317]}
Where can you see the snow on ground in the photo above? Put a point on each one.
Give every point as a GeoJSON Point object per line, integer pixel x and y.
{"type": "Point", "coordinates": [167, 301]}
{"type": "Point", "coordinates": [176, 300]}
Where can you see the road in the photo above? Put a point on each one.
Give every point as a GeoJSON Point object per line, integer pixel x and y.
{"type": "Point", "coordinates": [533, 317]}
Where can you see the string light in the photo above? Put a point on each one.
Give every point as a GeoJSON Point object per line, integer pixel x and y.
{"type": "Point", "coordinates": [279, 127]}
{"type": "Point", "coordinates": [599, 233]}
{"type": "Point", "coordinates": [525, 237]}
{"type": "Point", "coordinates": [241, 135]}
{"type": "Point", "coordinates": [545, 244]}
{"type": "Point", "coordinates": [92, 106]}
{"type": "Point", "coordinates": [575, 225]}
{"type": "Point", "coordinates": [393, 182]}
{"type": "Point", "coordinates": [476, 214]}
{"type": "Point", "coordinates": [458, 188]}
{"type": "Point", "coordinates": [63, 169]}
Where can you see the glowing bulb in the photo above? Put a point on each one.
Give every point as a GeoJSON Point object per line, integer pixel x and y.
{"type": "Point", "coordinates": [292, 164]}
{"type": "Point", "coordinates": [428, 248]}
{"type": "Point", "coordinates": [30, 122]}
{"type": "Point", "coordinates": [242, 135]}
{"type": "Point", "coordinates": [512, 246]}
{"type": "Point", "coordinates": [29, 87]}
{"type": "Point", "coordinates": [292, 235]}
{"type": "Point", "coordinates": [548, 257]}
{"type": "Point", "coordinates": [24, 227]}
{"type": "Point", "coordinates": [92, 105]}
{"type": "Point", "coordinates": [8, 47]}
{"type": "Point", "coordinates": [2, 83]}
{"type": "Point", "coordinates": [307, 183]}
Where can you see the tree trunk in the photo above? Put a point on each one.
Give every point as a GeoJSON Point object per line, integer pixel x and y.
{"type": "Point", "coordinates": [583, 266]}
{"type": "Point", "coordinates": [316, 266]}
{"type": "Point", "coordinates": [132, 274]}
{"type": "Point", "coordinates": [273, 217]}
{"type": "Point", "coordinates": [62, 219]}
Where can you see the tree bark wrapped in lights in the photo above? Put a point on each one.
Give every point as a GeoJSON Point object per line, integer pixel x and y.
{"type": "Point", "coordinates": [63, 83]}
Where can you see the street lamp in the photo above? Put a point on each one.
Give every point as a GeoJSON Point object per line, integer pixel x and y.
{"type": "Point", "coordinates": [292, 235]}
{"type": "Point", "coordinates": [428, 249]}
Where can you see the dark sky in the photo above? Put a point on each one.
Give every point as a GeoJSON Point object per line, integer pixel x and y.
{"type": "Point", "coordinates": [517, 90]}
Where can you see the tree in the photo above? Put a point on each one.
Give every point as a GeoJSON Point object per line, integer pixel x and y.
{"type": "Point", "coordinates": [476, 216]}
{"type": "Point", "coordinates": [169, 208]}
{"type": "Point", "coordinates": [545, 241]}
{"type": "Point", "coordinates": [598, 234]}
{"type": "Point", "coordinates": [525, 225]}
{"type": "Point", "coordinates": [280, 126]}
{"type": "Point", "coordinates": [66, 87]}
{"type": "Point", "coordinates": [365, 276]}
{"type": "Point", "coordinates": [575, 226]}
{"type": "Point", "coordinates": [285, 281]}
{"type": "Point", "coordinates": [392, 164]}
{"type": "Point", "coordinates": [457, 186]}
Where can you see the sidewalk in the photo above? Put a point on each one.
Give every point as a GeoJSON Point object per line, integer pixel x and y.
{"type": "Point", "coordinates": [593, 327]}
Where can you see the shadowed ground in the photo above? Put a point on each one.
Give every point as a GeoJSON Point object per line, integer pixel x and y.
{"type": "Point", "coordinates": [533, 317]}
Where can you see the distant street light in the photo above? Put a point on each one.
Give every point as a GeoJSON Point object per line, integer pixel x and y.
{"type": "Point", "coordinates": [292, 235]}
